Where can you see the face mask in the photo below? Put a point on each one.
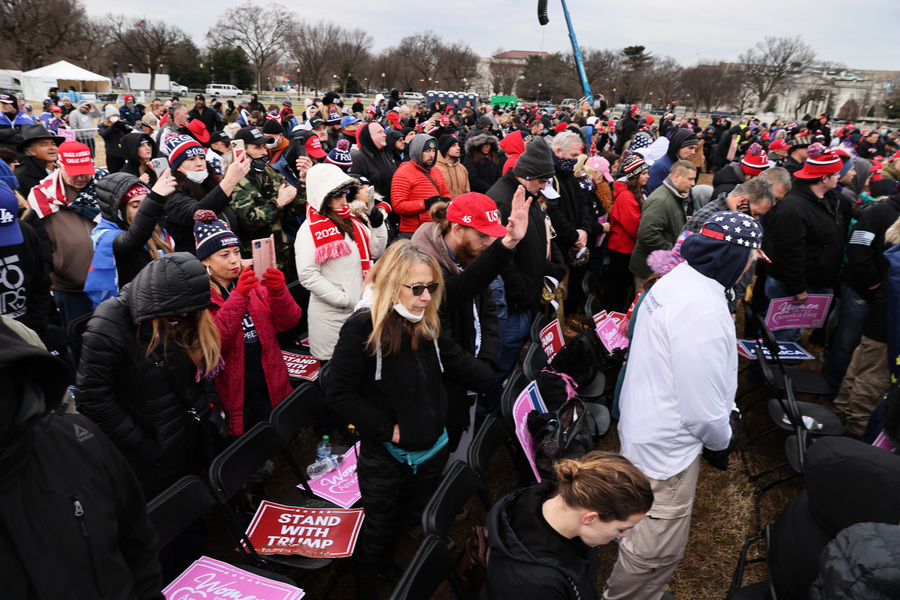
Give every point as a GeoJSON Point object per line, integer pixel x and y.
{"type": "Point", "coordinates": [197, 176]}
{"type": "Point", "coordinates": [884, 132]}
{"type": "Point", "coordinates": [113, 119]}
{"type": "Point", "coordinates": [406, 314]}
{"type": "Point", "coordinates": [260, 163]}
{"type": "Point", "coordinates": [274, 144]}
{"type": "Point", "coordinates": [566, 164]}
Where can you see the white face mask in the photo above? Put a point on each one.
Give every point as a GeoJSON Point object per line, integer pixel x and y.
{"type": "Point", "coordinates": [114, 118]}
{"type": "Point", "coordinates": [274, 144]}
{"type": "Point", "coordinates": [197, 176]}
{"type": "Point", "coordinates": [406, 314]}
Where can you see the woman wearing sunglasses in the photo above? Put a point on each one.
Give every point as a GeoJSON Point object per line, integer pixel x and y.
{"type": "Point", "coordinates": [385, 378]}
{"type": "Point", "coordinates": [334, 252]}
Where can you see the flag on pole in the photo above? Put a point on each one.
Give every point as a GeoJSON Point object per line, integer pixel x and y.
{"type": "Point", "coordinates": [141, 23]}
{"type": "Point", "coordinates": [208, 35]}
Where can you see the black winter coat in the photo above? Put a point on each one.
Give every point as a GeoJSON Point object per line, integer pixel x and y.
{"type": "Point", "coordinates": [865, 265]}
{"type": "Point", "coordinates": [25, 286]}
{"type": "Point", "coordinates": [861, 563]}
{"type": "Point", "coordinates": [112, 134]}
{"type": "Point", "coordinates": [376, 165]}
{"type": "Point", "coordinates": [721, 156]}
{"type": "Point", "coordinates": [130, 144]}
{"type": "Point", "coordinates": [792, 165]}
{"type": "Point", "coordinates": [629, 126]}
{"type": "Point", "coordinates": [728, 178]}
{"type": "Point", "coordinates": [126, 394]}
{"type": "Point", "coordinates": [407, 391]}
{"type": "Point", "coordinates": [187, 199]}
{"type": "Point", "coordinates": [529, 559]}
{"type": "Point", "coordinates": [570, 212]}
{"type": "Point", "coordinates": [523, 277]}
{"type": "Point", "coordinates": [30, 172]}
{"type": "Point", "coordinates": [129, 247]}
{"type": "Point", "coordinates": [482, 178]}
{"type": "Point", "coordinates": [804, 238]}
{"type": "Point", "coordinates": [73, 521]}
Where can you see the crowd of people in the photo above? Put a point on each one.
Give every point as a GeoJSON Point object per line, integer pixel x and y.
{"type": "Point", "coordinates": [428, 237]}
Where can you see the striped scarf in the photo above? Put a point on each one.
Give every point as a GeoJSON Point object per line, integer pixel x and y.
{"type": "Point", "coordinates": [330, 242]}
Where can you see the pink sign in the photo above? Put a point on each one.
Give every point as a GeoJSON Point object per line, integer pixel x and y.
{"type": "Point", "coordinates": [312, 532]}
{"type": "Point", "coordinates": [209, 579]}
{"type": "Point", "coordinates": [340, 486]}
{"type": "Point", "coordinates": [609, 334]}
{"type": "Point", "coordinates": [528, 400]}
{"type": "Point", "coordinates": [552, 339]}
{"type": "Point", "coordinates": [598, 318]}
{"type": "Point", "coordinates": [300, 366]}
{"type": "Point", "coordinates": [784, 314]}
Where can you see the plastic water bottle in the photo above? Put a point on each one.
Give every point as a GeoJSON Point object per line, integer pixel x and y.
{"type": "Point", "coordinates": [323, 450]}
{"type": "Point", "coordinates": [811, 424]}
{"type": "Point", "coordinates": [322, 466]}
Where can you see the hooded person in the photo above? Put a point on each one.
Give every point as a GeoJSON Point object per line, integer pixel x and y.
{"type": "Point", "coordinates": [139, 149]}
{"type": "Point", "coordinates": [395, 143]}
{"type": "Point", "coordinates": [374, 161]}
{"type": "Point", "coordinates": [50, 462]}
{"type": "Point", "coordinates": [128, 235]}
{"type": "Point", "coordinates": [417, 185]}
{"type": "Point", "coordinates": [334, 251]}
{"type": "Point", "coordinates": [483, 160]}
{"type": "Point", "coordinates": [455, 175]}
{"type": "Point", "coordinates": [682, 145]}
{"type": "Point", "coordinates": [687, 408]}
{"type": "Point", "coordinates": [112, 129]}
{"type": "Point", "coordinates": [513, 145]}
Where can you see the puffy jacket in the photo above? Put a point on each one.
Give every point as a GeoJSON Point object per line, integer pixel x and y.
{"type": "Point", "coordinates": [482, 178]}
{"type": "Point", "coordinates": [624, 220]}
{"type": "Point", "coordinates": [375, 393]}
{"type": "Point", "coordinates": [73, 521]}
{"type": "Point", "coordinates": [412, 184]}
{"type": "Point", "coordinates": [529, 559]}
{"type": "Point", "coordinates": [728, 178]}
{"type": "Point", "coordinates": [455, 176]}
{"type": "Point", "coordinates": [804, 238]}
{"type": "Point", "coordinates": [272, 311]}
{"type": "Point", "coordinates": [375, 164]}
{"type": "Point", "coordinates": [129, 243]}
{"type": "Point", "coordinates": [861, 563]}
{"type": "Point", "coordinates": [125, 393]}
{"type": "Point", "coordinates": [662, 219]}
{"type": "Point", "coordinates": [130, 144]}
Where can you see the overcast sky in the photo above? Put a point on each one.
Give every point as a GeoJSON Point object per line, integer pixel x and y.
{"type": "Point", "coordinates": [857, 35]}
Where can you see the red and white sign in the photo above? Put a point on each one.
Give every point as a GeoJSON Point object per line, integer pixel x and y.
{"type": "Point", "coordinates": [312, 532]}
{"type": "Point", "coordinates": [209, 579]}
{"type": "Point", "coordinates": [300, 366]}
{"type": "Point", "coordinates": [341, 485]}
{"type": "Point", "coordinates": [784, 314]}
{"type": "Point", "coordinates": [599, 317]}
{"type": "Point", "coordinates": [552, 339]}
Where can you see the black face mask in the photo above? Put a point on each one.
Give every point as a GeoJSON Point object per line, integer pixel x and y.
{"type": "Point", "coordinates": [260, 163]}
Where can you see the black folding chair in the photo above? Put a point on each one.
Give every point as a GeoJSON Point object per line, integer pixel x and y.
{"type": "Point", "coordinates": [429, 568]}
{"type": "Point", "coordinates": [764, 590]}
{"type": "Point", "coordinates": [449, 499]}
{"type": "Point", "coordinates": [75, 331]}
{"type": "Point", "coordinates": [492, 435]}
{"type": "Point", "coordinates": [535, 360]}
{"type": "Point", "coordinates": [231, 469]}
{"type": "Point", "coordinates": [592, 307]}
{"type": "Point", "coordinates": [540, 321]}
{"type": "Point", "coordinates": [295, 410]}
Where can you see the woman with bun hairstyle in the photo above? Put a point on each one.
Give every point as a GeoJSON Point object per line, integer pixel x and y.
{"type": "Point", "coordinates": [544, 538]}
{"type": "Point", "coordinates": [249, 315]}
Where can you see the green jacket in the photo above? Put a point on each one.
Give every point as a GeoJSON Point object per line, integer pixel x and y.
{"type": "Point", "coordinates": [662, 219]}
{"type": "Point", "coordinates": [253, 202]}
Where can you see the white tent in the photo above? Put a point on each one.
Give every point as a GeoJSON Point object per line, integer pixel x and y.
{"type": "Point", "coordinates": [36, 83]}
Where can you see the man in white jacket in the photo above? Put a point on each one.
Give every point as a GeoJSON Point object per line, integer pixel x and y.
{"type": "Point", "coordinates": [677, 399]}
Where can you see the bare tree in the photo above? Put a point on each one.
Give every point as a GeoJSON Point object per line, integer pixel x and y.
{"type": "Point", "coordinates": [710, 85]}
{"type": "Point", "coordinates": [770, 64]}
{"type": "Point", "coordinates": [421, 51]}
{"type": "Point", "coordinates": [349, 52]}
{"type": "Point", "coordinates": [504, 75]}
{"type": "Point", "coordinates": [35, 31]}
{"type": "Point", "coordinates": [254, 31]}
{"type": "Point", "coordinates": [665, 79]}
{"type": "Point", "coordinates": [456, 62]}
{"type": "Point", "coordinates": [849, 111]}
{"type": "Point", "coordinates": [310, 46]}
{"type": "Point", "coordinates": [145, 44]}
{"type": "Point", "coordinates": [603, 68]}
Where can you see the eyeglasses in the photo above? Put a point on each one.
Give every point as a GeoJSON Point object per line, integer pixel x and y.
{"type": "Point", "coordinates": [419, 289]}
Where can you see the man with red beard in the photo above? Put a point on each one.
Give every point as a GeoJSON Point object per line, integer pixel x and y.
{"type": "Point", "coordinates": [469, 242]}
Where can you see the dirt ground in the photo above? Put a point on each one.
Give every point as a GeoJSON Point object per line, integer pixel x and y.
{"type": "Point", "coordinates": [723, 514]}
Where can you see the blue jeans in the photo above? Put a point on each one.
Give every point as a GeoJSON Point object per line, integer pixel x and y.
{"type": "Point", "coordinates": [518, 326]}
{"type": "Point", "coordinates": [854, 310]}
{"type": "Point", "coordinates": [777, 289]}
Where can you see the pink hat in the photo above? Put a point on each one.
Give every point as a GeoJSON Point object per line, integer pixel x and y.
{"type": "Point", "coordinates": [602, 165]}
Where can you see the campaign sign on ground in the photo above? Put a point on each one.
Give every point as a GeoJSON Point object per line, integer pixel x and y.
{"type": "Point", "coordinates": [210, 579]}
{"type": "Point", "coordinates": [609, 334]}
{"type": "Point", "coordinates": [786, 350]}
{"type": "Point", "coordinates": [341, 485]}
{"type": "Point", "coordinates": [528, 400]}
{"type": "Point", "coordinates": [599, 317]}
{"type": "Point", "coordinates": [784, 314]}
{"type": "Point", "coordinates": [313, 532]}
{"type": "Point", "coordinates": [300, 366]}
{"type": "Point", "coordinates": [552, 339]}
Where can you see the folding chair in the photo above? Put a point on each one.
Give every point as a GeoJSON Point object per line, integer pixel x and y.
{"type": "Point", "coordinates": [805, 381]}
{"type": "Point", "coordinates": [182, 503]}
{"type": "Point", "coordinates": [535, 360]}
{"type": "Point", "coordinates": [492, 435]}
{"type": "Point", "coordinates": [514, 386]}
{"type": "Point", "coordinates": [449, 499]}
{"type": "Point", "coordinates": [540, 321]}
{"type": "Point", "coordinates": [431, 566]}
{"type": "Point", "coordinates": [75, 331]}
{"type": "Point", "coordinates": [592, 307]}
{"type": "Point", "coordinates": [232, 468]}
{"type": "Point", "coordinates": [764, 590]}
{"type": "Point", "coordinates": [290, 339]}
{"type": "Point", "coordinates": [295, 410]}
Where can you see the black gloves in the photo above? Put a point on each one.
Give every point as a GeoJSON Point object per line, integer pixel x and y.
{"type": "Point", "coordinates": [719, 458]}
{"type": "Point", "coordinates": [376, 217]}
{"type": "Point", "coordinates": [429, 202]}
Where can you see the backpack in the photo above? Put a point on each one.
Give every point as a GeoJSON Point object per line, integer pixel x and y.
{"type": "Point", "coordinates": [474, 560]}
{"type": "Point", "coordinates": [570, 432]}
{"type": "Point", "coordinates": [574, 366]}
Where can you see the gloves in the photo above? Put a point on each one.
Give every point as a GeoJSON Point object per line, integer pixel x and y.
{"type": "Point", "coordinates": [273, 279]}
{"type": "Point", "coordinates": [247, 282]}
{"type": "Point", "coordinates": [376, 217]}
{"type": "Point", "coordinates": [429, 202]}
{"type": "Point", "coordinates": [719, 458]}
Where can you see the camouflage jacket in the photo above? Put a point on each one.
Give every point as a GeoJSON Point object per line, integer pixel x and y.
{"type": "Point", "coordinates": [258, 215]}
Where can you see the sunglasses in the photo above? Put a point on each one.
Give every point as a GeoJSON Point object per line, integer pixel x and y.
{"type": "Point", "coordinates": [419, 289]}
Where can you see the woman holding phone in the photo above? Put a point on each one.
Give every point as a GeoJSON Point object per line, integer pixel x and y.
{"type": "Point", "coordinates": [249, 314]}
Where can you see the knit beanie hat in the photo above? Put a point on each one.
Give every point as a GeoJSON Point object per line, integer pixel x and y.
{"type": "Point", "coordinates": [634, 108]}
{"type": "Point", "coordinates": [820, 162]}
{"type": "Point", "coordinates": [633, 166]}
{"type": "Point", "coordinates": [340, 156]}
{"type": "Point", "coordinates": [138, 189]}
{"type": "Point", "coordinates": [755, 161]}
{"type": "Point", "coordinates": [536, 162]}
{"type": "Point", "coordinates": [211, 234]}
{"type": "Point", "coordinates": [722, 248]}
{"type": "Point", "coordinates": [181, 148]}
{"type": "Point", "coordinates": [445, 142]}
